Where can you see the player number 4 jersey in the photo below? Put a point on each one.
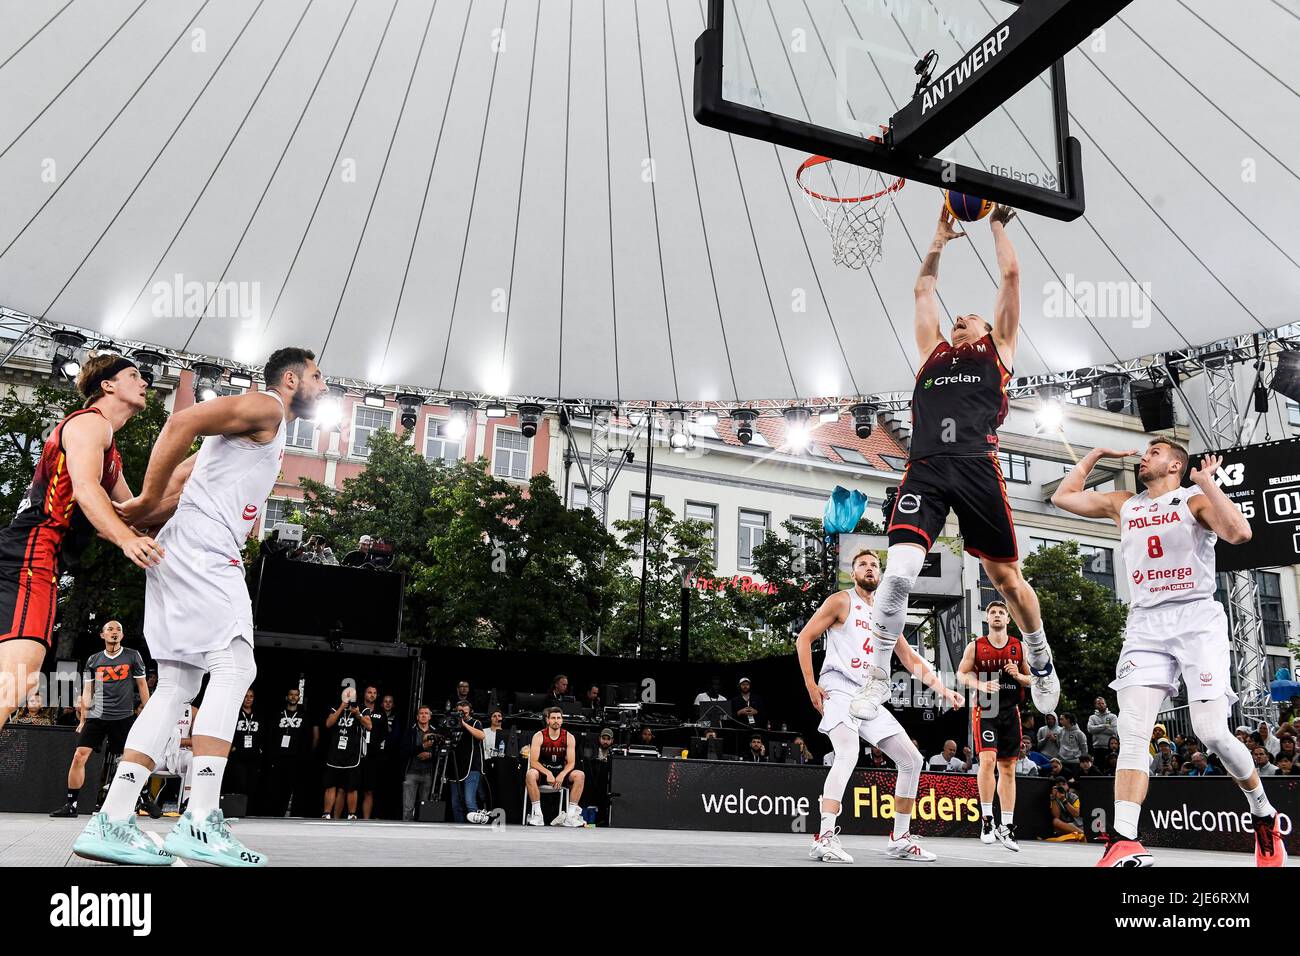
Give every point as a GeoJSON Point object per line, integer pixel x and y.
{"type": "Point", "coordinates": [848, 645]}
{"type": "Point", "coordinates": [1169, 556]}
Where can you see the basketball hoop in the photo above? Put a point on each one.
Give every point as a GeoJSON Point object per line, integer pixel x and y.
{"type": "Point", "coordinates": [853, 203]}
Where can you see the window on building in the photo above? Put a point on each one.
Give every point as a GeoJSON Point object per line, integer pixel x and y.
{"type": "Point", "coordinates": [1269, 588]}
{"type": "Point", "coordinates": [1293, 413]}
{"type": "Point", "coordinates": [365, 422]}
{"type": "Point", "coordinates": [807, 546]}
{"type": "Point", "coordinates": [301, 434]}
{"type": "Point", "coordinates": [1014, 467]}
{"type": "Point", "coordinates": [438, 446]}
{"type": "Point", "coordinates": [580, 498]}
{"type": "Point", "coordinates": [988, 593]}
{"type": "Point", "coordinates": [276, 511]}
{"type": "Point", "coordinates": [1037, 544]}
{"type": "Point", "coordinates": [708, 514]}
{"type": "Point", "coordinates": [851, 455]}
{"type": "Point", "coordinates": [510, 455]}
{"type": "Point", "coordinates": [1277, 662]}
{"type": "Point", "coordinates": [753, 529]}
{"type": "Point", "coordinates": [894, 462]}
{"type": "Point", "coordinates": [636, 512]}
{"type": "Point", "coordinates": [1098, 565]}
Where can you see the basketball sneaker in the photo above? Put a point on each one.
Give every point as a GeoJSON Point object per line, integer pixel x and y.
{"type": "Point", "coordinates": [64, 812]}
{"type": "Point", "coordinates": [907, 847]}
{"type": "Point", "coordinates": [827, 848]}
{"type": "Point", "coordinates": [574, 817]}
{"type": "Point", "coordinates": [988, 832]}
{"type": "Point", "coordinates": [1045, 687]}
{"type": "Point", "coordinates": [1269, 848]}
{"type": "Point", "coordinates": [210, 841]}
{"type": "Point", "coordinates": [1121, 852]}
{"type": "Point", "coordinates": [866, 703]}
{"type": "Point", "coordinates": [1006, 835]}
{"type": "Point", "coordinates": [535, 819]}
{"type": "Point", "coordinates": [478, 817]}
{"type": "Point", "coordinates": [112, 841]}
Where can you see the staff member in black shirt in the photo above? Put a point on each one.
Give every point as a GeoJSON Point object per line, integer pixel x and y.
{"type": "Point", "coordinates": [106, 708]}
{"type": "Point", "coordinates": [245, 762]}
{"type": "Point", "coordinates": [344, 727]}
{"type": "Point", "coordinates": [290, 748]}
{"type": "Point", "coordinates": [372, 750]}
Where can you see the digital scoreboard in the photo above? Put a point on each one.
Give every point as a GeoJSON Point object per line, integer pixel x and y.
{"type": "Point", "coordinates": [1264, 482]}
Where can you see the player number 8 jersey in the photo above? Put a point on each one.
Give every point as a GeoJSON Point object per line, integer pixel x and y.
{"type": "Point", "coordinates": [1168, 554]}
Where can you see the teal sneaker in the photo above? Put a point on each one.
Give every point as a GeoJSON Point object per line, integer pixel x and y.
{"type": "Point", "coordinates": [113, 841]}
{"type": "Point", "coordinates": [210, 841]}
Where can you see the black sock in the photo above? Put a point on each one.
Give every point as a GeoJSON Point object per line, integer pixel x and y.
{"type": "Point", "coordinates": [72, 798]}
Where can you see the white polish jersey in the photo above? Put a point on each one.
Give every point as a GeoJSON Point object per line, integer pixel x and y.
{"type": "Point", "coordinates": [1168, 555]}
{"type": "Point", "coordinates": [848, 645]}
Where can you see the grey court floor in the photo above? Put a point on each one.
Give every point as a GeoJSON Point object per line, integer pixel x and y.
{"type": "Point", "coordinates": [37, 840]}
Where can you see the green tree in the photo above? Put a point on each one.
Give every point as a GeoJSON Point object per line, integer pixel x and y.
{"type": "Point", "coordinates": [719, 623]}
{"type": "Point", "coordinates": [1084, 623]}
{"type": "Point", "coordinates": [103, 585]}
{"type": "Point", "coordinates": [488, 563]}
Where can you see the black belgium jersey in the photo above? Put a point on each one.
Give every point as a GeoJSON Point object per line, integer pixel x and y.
{"type": "Point", "coordinates": [959, 401]}
{"type": "Point", "coordinates": [344, 749]}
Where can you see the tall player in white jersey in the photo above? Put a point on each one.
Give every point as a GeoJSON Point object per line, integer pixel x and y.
{"type": "Point", "coordinates": [1175, 627]}
{"type": "Point", "coordinates": [845, 618]}
{"type": "Point", "coordinates": [198, 617]}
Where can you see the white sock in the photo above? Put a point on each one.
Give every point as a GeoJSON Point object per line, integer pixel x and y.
{"type": "Point", "coordinates": [986, 809]}
{"type": "Point", "coordinates": [828, 822]}
{"type": "Point", "coordinates": [206, 794]}
{"type": "Point", "coordinates": [1259, 804]}
{"type": "Point", "coordinates": [902, 823]}
{"type": "Point", "coordinates": [537, 806]}
{"type": "Point", "coordinates": [1036, 647]}
{"type": "Point", "coordinates": [1127, 814]}
{"type": "Point", "coordinates": [1008, 817]}
{"type": "Point", "coordinates": [125, 790]}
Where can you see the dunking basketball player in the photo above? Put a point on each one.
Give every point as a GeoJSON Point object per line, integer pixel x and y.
{"type": "Point", "coordinates": [198, 617]}
{"type": "Point", "coordinates": [77, 479]}
{"type": "Point", "coordinates": [959, 401]}
{"type": "Point", "coordinates": [844, 617]}
{"type": "Point", "coordinates": [1175, 627]}
{"type": "Point", "coordinates": [996, 669]}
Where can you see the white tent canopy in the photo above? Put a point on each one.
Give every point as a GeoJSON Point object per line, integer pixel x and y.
{"type": "Point", "coordinates": [512, 197]}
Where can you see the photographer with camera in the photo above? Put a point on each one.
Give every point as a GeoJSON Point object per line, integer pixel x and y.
{"type": "Point", "coordinates": [343, 755]}
{"type": "Point", "coordinates": [419, 751]}
{"type": "Point", "coordinates": [1067, 815]}
{"type": "Point", "coordinates": [466, 771]}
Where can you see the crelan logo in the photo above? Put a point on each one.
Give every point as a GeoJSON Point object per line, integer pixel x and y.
{"type": "Point", "coordinates": [76, 909]}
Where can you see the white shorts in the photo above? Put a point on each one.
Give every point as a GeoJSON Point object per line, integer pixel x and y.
{"type": "Point", "coordinates": [196, 600]}
{"type": "Point", "coordinates": [1188, 640]}
{"type": "Point", "coordinates": [835, 711]}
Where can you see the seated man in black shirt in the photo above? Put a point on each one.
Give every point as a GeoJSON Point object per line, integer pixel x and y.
{"type": "Point", "coordinates": [559, 691]}
{"type": "Point", "coordinates": [757, 752]}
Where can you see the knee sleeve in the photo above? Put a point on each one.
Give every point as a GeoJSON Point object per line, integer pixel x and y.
{"type": "Point", "coordinates": [908, 761]}
{"type": "Point", "coordinates": [845, 742]}
{"type": "Point", "coordinates": [1138, 707]}
{"type": "Point", "coordinates": [230, 673]}
{"type": "Point", "coordinates": [890, 611]}
{"type": "Point", "coordinates": [1210, 724]}
{"type": "Point", "coordinates": [177, 686]}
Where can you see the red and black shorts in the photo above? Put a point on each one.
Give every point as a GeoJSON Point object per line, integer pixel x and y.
{"type": "Point", "coordinates": [973, 488]}
{"type": "Point", "coordinates": [29, 585]}
{"type": "Point", "coordinates": [999, 731]}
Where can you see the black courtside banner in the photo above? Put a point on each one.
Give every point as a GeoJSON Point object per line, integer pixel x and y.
{"type": "Point", "coordinates": [1200, 813]}
{"type": "Point", "coordinates": [783, 798]}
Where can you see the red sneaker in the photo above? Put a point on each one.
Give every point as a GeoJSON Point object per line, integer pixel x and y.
{"type": "Point", "coordinates": [1269, 848]}
{"type": "Point", "coordinates": [1121, 852]}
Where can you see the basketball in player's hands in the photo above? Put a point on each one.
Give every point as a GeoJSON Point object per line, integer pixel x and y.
{"type": "Point", "coordinates": [965, 207]}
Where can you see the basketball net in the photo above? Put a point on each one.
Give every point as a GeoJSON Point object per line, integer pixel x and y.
{"type": "Point", "coordinates": [853, 203]}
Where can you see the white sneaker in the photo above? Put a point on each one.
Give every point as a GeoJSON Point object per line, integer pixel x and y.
{"type": "Point", "coordinates": [535, 819]}
{"type": "Point", "coordinates": [1007, 837]}
{"type": "Point", "coordinates": [1045, 688]}
{"type": "Point", "coordinates": [559, 821]}
{"type": "Point", "coordinates": [906, 847]}
{"type": "Point", "coordinates": [866, 703]}
{"type": "Point", "coordinates": [574, 817]}
{"type": "Point", "coordinates": [988, 832]}
{"type": "Point", "coordinates": [827, 848]}
{"type": "Point", "coordinates": [477, 816]}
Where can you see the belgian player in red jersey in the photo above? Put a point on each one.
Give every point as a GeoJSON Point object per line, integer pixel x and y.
{"type": "Point", "coordinates": [71, 496]}
{"type": "Point", "coordinates": [959, 401]}
{"type": "Point", "coordinates": [995, 667]}
{"type": "Point", "coordinates": [552, 760]}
